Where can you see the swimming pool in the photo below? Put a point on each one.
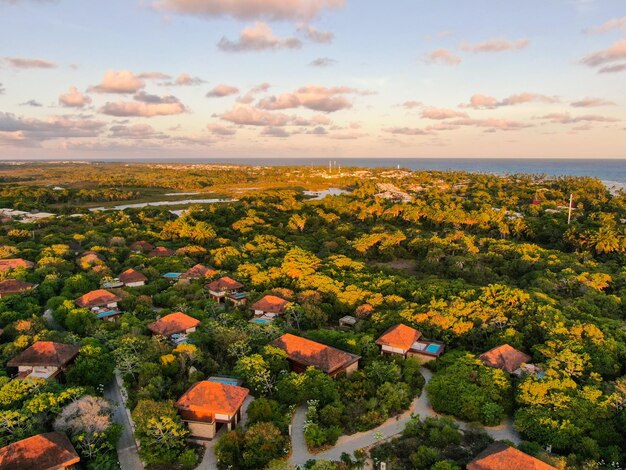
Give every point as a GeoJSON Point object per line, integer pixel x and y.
{"type": "Point", "coordinates": [433, 348]}
{"type": "Point", "coordinates": [225, 380]}
{"type": "Point", "coordinates": [261, 321]}
{"type": "Point", "coordinates": [172, 275]}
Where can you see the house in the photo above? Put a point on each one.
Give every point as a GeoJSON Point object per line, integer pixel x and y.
{"type": "Point", "coordinates": [505, 357]}
{"type": "Point", "coordinates": [406, 341]}
{"type": "Point", "coordinates": [13, 286]}
{"type": "Point", "coordinates": [303, 353]}
{"type": "Point", "coordinates": [49, 451]}
{"type": "Point", "coordinates": [161, 252]}
{"type": "Point", "coordinates": [175, 326]}
{"type": "Point", "coordinates": [269, 306]}
{"type": "Point", "coordinates": [102, 302]}
{"type": "Point", "coordinates": [207, 405]}
{"type": "Point", "coordinates": [132, 278]}
{"type": "Point", "coordinates": [15, 263]}
{"type": "Point", "coordinates": [227, 288]}
{"type": "Point", "coordinates": [141, 246]}
{"type": "Point", "coordinates": [44, 359]}
{"type": "Point", "coordinates": [499, 456]}
{"type": "Point", "coordinates": [199, 271]}
{"type": "Point", "coordinates": [90, 258]}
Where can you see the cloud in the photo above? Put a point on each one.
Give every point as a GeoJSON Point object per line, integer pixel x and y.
{"type": "Point", "coordinates": [222, 90]}
{"type": "Point", "coordinates": [590, 102]}
{"type": "Point", "coordinates": [411, 104]}
{"type": "Point", "coordinates": [154, 76]}
{"type": "Point", "coordinates": [259, 37]}
{"type": "Point", "coordinates": [566, 118]}
{"type": "Point", "coordinates": [2, 89]}
{"type": "Point", "coordinates": [74, 98]}
{"type": "Point", "coordinates": [443, 56]}
{"type": "Point", "coordinates": [347, 135]}
{"type": "Point", "coordinates": [315, 97]}
{"type": "Point", "coordinates": [33, 103]}
{"type": "Point", "coordinates": [29, 131]}
{"type": "Point", "coordinates": [323, 62]}
{"type": "Point", "coordinates": [442, 113]}
{"type": "Point", "coordinates": [489, 102]}
{"type": "Point", "coordinates": [216, 129]}
{"type": "Point", "coordinates": [184, 79]}
{"type": "Point", "coordinates": [292, 10]}
{"type": "Point", "coordinates": [250, 96]}
{"type": "Point", "coordinates": [275, 132]}
{"type": "Point", "coordinates": [25, 63]}
{"type": "Point", "coordinates": [610, 25]}
{"type": "Point", "coordinates": [411, 131]}
{"type": "Point", "coordinates": [244, 114]}
{"type": "Point", "coordinates": [119, 82]}
{"type": "Point", "coordinates": [145, 105]}
{"type": "Point", "coordinates": [135, 131]}
{"type": "Point", "coordinates": [495, 45]}
{"type": "Point", "coordinates": [614, 53]}
{"type": "Point", "coordinates": [613, 68]}
{"type": "Point", "coordinates": [492, 124]}
{"type": "Point", "coordinates": [315, 35]}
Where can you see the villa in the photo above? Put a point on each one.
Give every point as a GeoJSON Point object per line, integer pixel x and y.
{"type": "Point", "coordinates": [15, 263]}
{"type": "Point", "coordinates": [44, 360]}
{"type": "Point", "coordinates": [227, 288]}
{"type": "Point", "coordinates": [303, 353]}
{"type": "Point", "coordinates": [90, 258]}
{"type": "Point", "coordinates": [199, 271]}
{"type": "Point", "coordinates": [207, 405]}
{"type": "Point", "coordinates": [102, 302]}
{"type": "Point", "coordinates": [141, 247]}
{"type": "Point", "coordinates": [505, 357]}
{"type": "Point", "coordinates": [175, 326]}
{"type": "Point", "coordinates": [161, 252]}
{"type": "Point", "coordinates": [49, 451]}
{"type": "Point", "coordinates": [132, 278]}
{"type": "Point", "coordinates": [499, 456]}
{"type": "Point", "coordinates": [13, 286]}
{"type": "Point", "coordinates": [406, 341]}
{"type": "Point", "coordinates": [269, 306]}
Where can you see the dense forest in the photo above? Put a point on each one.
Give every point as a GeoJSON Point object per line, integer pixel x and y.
{"type": "Point", "coordinates": [474, 261]}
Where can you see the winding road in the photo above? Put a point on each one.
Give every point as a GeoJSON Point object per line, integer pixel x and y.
{"type": "Point", "coordinates": [348, 444]}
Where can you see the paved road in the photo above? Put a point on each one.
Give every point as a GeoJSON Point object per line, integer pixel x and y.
{"type": "Point", "coordinates": [126, 448]}
{"type": "Point", "coordinates": [209, 462]}
{"type": "Point", "coordinates": [420, 406]}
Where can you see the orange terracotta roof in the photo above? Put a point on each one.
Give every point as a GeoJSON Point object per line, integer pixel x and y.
{"type": "Point", "coordinates": [132, 275]}
{"type": "Point", "coordinates": [141, 245]}
{"type": "Point", "coordinates": [91, 257]}
{"type": "Point", "coordinates": [504, 357]}
{"type": "Point", "coordinates": [270, 304]}
{"type": "Point", "coordinates": [499, 456]}
{"type": "Point", "coordinates": [45, 353]}
{"type": "Point", "coordinates": [96, 298]}
{"type": "Point", "coordinates": [399, 336]}
{"type": "Point", "coordinates": [206, 399]}
{"type": "Point", "coordinates": [49, 451]}
{"type": "Point", "coordinates": [161, 252]}
{"type": "Point", "coordinates": [199, 271]}
{"type": "Point", "coordinates": [223, 284]}
{"type": "Point", "coordinates": [6, 264]}
{"type": "Point", "coordinates": [13, 286]}
{"type": "Point", "coordinates": [173, 323]}
{"type": "Point", "coordinates": [310, 353]}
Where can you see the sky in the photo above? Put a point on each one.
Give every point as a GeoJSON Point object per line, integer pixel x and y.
{"type": "Point", "coordinates": [312, 78]}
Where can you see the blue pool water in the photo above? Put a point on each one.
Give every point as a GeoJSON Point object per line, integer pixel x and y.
{"type": "Point", "coordinates": [224, 380]}
{"type": "Point", "coordinates": [172, 275]}
{"type": "Point", "coordinates": [260, 320]}
{"type": "Point", "coordinates": [109, 313]}
{"type": "Point", "coordinates": [433, 348]}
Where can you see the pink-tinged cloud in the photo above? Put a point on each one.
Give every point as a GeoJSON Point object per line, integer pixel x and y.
{"type": "Point", "coordinates": [119, 82]}
{"type": "Point", "coordinates": [591, 102]}
{"type": "Point", "coordinates": [278, 132]}
{"type": "Point", "coordinates": [26, 63]}
{"type": "Point", "coordinates": [315, 35]}
{"type": "Point", "coordinates": [411, 104]}
{"type": "Point", "coordinates": [216, 129]}
{"type": "Point", "coordinates": [317, 120]}
{"type": "Point", "coordinates": [250, 96]}
{"type": "Point", "coordinates": [566, 118]}
{"type": "Point", "coordinates": [610, 25]}
{"type": "Point", "coordinates": [293, 10]}
{"type": "Point", "coordinates": [443, 56]}
{"type": "Point", "coordinates": [136, 132]}
{"type": "Point", "coordinates": [154, 76]}
{"type": "Point", "coordinates": [259, 37]}
{"type": "Point", "coordinates": [222, 90]}
{"type": "Point", "coordinates": [411, 131]}
{"type": "Point", "coordinates": [74, 98]}
{"type": "Point", "coordinates": [315, 97]}
{"type": "Point", "coordinates": [184, 79]}
{"type": "Point", "coordinates": [31, 132]}
{"type": "Point", "coordinates": [442, 113]}
{"type": "Point", "coordinates": [442, 126]}
{"type": "Point", "coordinates": [347, 135]}
{"type": "Point", "coordinates": [495, 45]}
{"type": "Point", "coordinates": [145, 105]}
{"type": "Point", "coordinates": [613, 68]}
{"type": "Point", "coordinates": [615, 53]}
{"type": "Point", "coordinates": [492, 124]}
{"type": "Point", "coordinates": [246, 115]}
{"type": "Point", "coordinates": [489, 102]}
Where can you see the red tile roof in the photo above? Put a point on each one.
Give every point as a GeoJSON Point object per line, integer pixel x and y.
{"type": "Point", "coordinates": [45, 353]}
{"type": "Point", "coordinates": [173, 323]}
{"type": "Point", "coordinates": [141, 245]}
{"type": "Point", "coordinates": [48, 451]}
{"type": "Point", "coordinates": [504, 357]}
{"type": "Point", "coordinates": [6, 264]}
{"type": "Point", "coordinates": [91, 257]}
{"type": "Point", "coordinates": [399, 336]}
{"type": "Point", "coordinates": [499, 456]}
{"type": "Point", "coordinates": [199, 271]}
{"type": "Point", "coordinates": [224, 284]}
{"type": "Point", "coordinates": [13, 286]}
{"type": "Point", "coordinates": [161, 252]}
{"type": "Point", "coordinates": [310, 353]}
{"type": "Point", "coordinates": [130, 275]}
{"type": "Point", "coordinates": [270, 304]}
{"type": "Point", "coordinates": [97, 298]}
{"type": "Point", "coordinates": [206, 399]}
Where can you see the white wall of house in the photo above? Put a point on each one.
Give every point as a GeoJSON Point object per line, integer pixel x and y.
{"type": "Point", "coordinates": [135, 284]}
{"type": "Point", "coordinates": [39, 371]}
{"type": "Point", "coordinates": [203, 430]}
{"type": "Point", "coordinates": [391, 350]}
